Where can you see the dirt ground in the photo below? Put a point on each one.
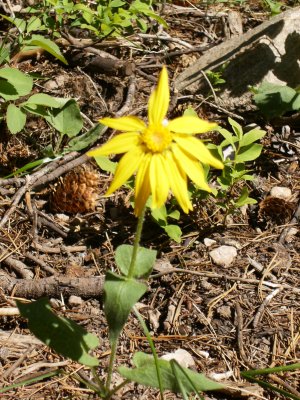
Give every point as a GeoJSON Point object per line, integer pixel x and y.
{"type": "Point", "coordinates": [243, 316]}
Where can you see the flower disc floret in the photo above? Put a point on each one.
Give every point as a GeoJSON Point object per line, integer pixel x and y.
{"type": "Point", "coordinates": [157, 138]}
{"type": "Point", "coordinates": [163, 154]}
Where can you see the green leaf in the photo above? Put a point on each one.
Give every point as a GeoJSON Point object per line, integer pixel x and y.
{"type": "Point", "coordinates": [157, 18]}
{"type": "Point", "coordinates": [174, 215]}
{"type": "Point", "coordinates": [244, 199]}
{"type": "Point", "coordinates": [121, 294]}
{"type": "Point", "coordinates": [8, 91]}
{"type": "Point", "coordinates": [145, 260]}
{"type": "Point", "coordinates": [145, 374]}
{"type": "Point", "coordinates": [15, 118]}
{"type": "Point", "coordinates": [48, 45]}
{"type": "Point", "coordinates": [249, 153]}
{"type": "Point", "coordinates": [227, 136]}
{"type": "Point", "coordinates": [174, 232]}
{"type": "Point", "coordinates": [67, 120]}
{"type": "Point", "coordinates": [87, 139]}
{"type": "Point", "coordinates": [106, 164]}
{"type": "Point", "coordinates": [30, 381]}
{"type": "Point", "coordinates": [31, 165]}
{"type": "Point", "coordinates": [236, 127]}
{"type": "Point", "coordinates": [190, 112]}
{"type": "Point", "coordinates": [43, 99]}
{"type": "Point", "coordinates": [19, 23]}
{"type": "Point", "coordinates": [275, 6]}
{"type": "Point", "coordinates": [274, 100]}
{"type": "Point", "coordinates": [21, 83]}
{"type": "Point", "coordinates": [33, 24]}
{"type": "Point", "coordinates": [116, 3]}
{"type": "Point", "coordinates": [59, 333]}
{"type": "Point", "coordinates": [252, 136]}
{"type": "Point", "coordinates": [296, 103]}
{"type": "Point", "coordinates": [4, 54]}
{"type": "Point", "coordinates": [160, 215]}
{"type": "Point", "coordinates": [142, 25]}
{"type": "Point", "coordinates": [36, 110]}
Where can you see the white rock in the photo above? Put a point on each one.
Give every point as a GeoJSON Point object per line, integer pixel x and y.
{"type": "Point", "coordinates": [281, 192]}
{"type": "Point", "coordinates": [290, 236]}
{"type": "Point", "coordinates": [220, 376]}
{"type": "Point", "coordinates": [182, 356]}
{"type": "Point", "coordinates": [209, 242]}
{"type": "Point", "coordinates": [56, 304]}
{"type": "Point", "coordinates": [75, 301]}
{"type": "Point", "coordinates": [223, 255]}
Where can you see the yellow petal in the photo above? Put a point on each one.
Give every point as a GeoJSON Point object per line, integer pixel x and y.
{"type": "Point", "coordinates": [128, 164]}
{"type": "Point", "coordinates": [191, 166]}
{"type": "Point", "coordinates": [129, 124]}
{"type": "Point", "coordinates": [142, 185]}
{"type": "Point", "coordinates": [121, 143]}
{"type": "Point", "coordinates": [178, 182]}
{"type": "Point", "coordinates": [159, 100]}
{"type": "Point", "coordinates": [197, 149]}
{"type": "Point", "coordinates": [190, 125]}
{"type": "Point", "coordinates": [158, 180]}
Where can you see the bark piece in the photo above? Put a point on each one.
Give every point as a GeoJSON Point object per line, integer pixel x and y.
{"type": "Point", "coordinates": [54, 286]}
{"type": "Point", "coordinates": [269, 52]}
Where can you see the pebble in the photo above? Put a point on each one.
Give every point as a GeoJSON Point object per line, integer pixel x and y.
{"type": "Point", "coordinates": [209, 242]}
{"type": "Point", "coordinates": [183, 357]}
{"type": "Point", "coordinates": [75, 301]}
{"type": "Point", "coordinates": [281, 192]}
{"type": "Point", "coordinates": [290, 236]}
{"type": "Point", "coordinates": [223, 255]}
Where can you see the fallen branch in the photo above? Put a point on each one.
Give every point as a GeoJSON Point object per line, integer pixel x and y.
{"type": "Point", "coordinates": [54, 286]}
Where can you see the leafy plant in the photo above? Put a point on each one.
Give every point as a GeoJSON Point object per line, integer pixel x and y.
{"type": "Point", "coordinates": [27, 40]}
{"type": "Point", "coordinates": [134, 263]}
{"type": "Point", "coordinates": [121, 293]}
{"type": "Point", "coordinates": [275, 100]}
{"type": "Point", "coordinates": [62, 114]}
{"type": "Point", "coordinates": [215, 78]}
{"type": "Point", "coordinates": [236, 150]}
{"type": "Point", "coordinates": [100, 18]}
{"type": "Point", "coordinates": [274, 6]}
{"type": "Point", "coordinates": [161, 216]}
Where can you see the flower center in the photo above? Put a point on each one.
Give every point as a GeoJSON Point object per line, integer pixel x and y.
{"type": "Point", "coordinates": [157, 138]}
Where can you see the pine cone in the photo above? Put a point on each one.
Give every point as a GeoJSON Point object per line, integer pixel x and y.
{"type": "Point", "coordinates": [275, 210]}
{"type": "Point", "coordinates": [77, 191]}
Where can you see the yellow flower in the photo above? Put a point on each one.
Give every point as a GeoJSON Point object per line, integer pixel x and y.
{"type": "Point", "coordinates": [163, 153]}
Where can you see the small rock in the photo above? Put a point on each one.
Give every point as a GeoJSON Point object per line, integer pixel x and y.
{"type": "Point", "coordinates": [223, 255]}
{"type": "Point", "coordinates": [290, 236]}
{"type": "Point", "coordinates": [75, 301]}
{"type": "Point", "coordinates": [220, 376]}
{"type": "Point", "coordinates": [153, 316]}
{"type": "Point", "coordinates": [203, 353]}
{"type": "Point", "coordinates": [54, 84]}
{"type": "Point", "coordinates": [56, 304]}
{"type": "Point", "coordinates": [281, 192]}
{"type": "Point", "coordinates": [182, 356]}
{"type": "Point", "coordinates": [209, 242]}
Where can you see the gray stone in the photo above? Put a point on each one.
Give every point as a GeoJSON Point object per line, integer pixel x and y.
{"type": "Point", "coordinates": [223, 255]}
{"type": "Point", "coordinates": [281, 192]}
{"type": "Point", "coordinates": [75, 301]}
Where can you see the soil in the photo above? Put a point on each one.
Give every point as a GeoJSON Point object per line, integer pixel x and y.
{"type": "Point", "coordinates": [245, 315]}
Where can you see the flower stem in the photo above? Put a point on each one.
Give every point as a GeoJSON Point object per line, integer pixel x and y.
{"type": "Point", "coordinates": [136, 243]}
{"type": "Point", "coordinates": [111, 363]}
